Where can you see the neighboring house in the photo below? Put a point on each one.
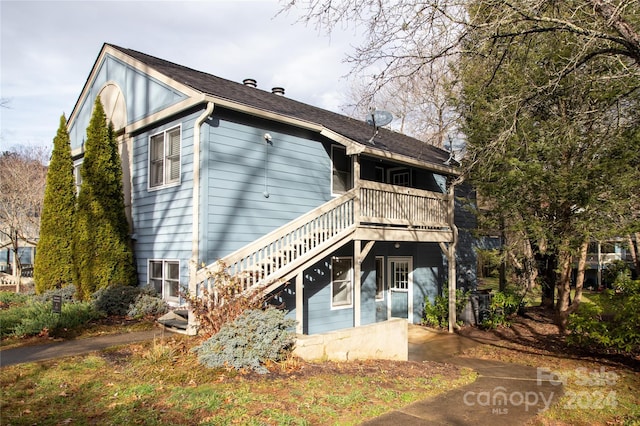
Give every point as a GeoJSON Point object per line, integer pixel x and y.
{"type": "Point", "coordinates": [359, 226]}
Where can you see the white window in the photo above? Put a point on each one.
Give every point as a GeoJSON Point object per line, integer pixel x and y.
{"type": "Point", "coordinates": [399, 270]}
{"type": "Point", "coordinates": [77, 177]}
{"type": "Point", "coordinates": [379, 278]}
{"type": "Point", "coordinates": [341, 282]}
{"type": "Point", "coordinates": [399, 176]}
{"type": "Point", "coordinates": [164, 158]}
{"type": "Point", "coordinates": [164, 277]}
{"type": "Point", "coordinates": [341, 180]}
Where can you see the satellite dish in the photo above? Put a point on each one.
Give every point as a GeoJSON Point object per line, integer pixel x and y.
{"type": "Point", "coordinates": [379, 118]}
{"type": "Point", "coordinates": [376, 119]}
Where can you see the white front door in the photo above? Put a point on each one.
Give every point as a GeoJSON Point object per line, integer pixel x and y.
{"type": "Point", "coordinates": [400, 288]}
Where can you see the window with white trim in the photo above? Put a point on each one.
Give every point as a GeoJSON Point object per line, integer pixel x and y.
{"type": "Point", "coordinates": [341, 282]}
{"type": "Point", "coordinates": [164, 277]}
{"type": "Point", "coordinates": [379, 277]}
{"type": "Point", "coordinates": [400, 176]}
{"type": "Point", "coordinates": [164, 158]}
{"type": "Point", "coordinates": [77, 177]}
{"type": "Point", "coordinates": [399, 270]}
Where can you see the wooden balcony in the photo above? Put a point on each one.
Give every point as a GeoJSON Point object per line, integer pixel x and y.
{"type": "Point", "coordinates": [371, 211]}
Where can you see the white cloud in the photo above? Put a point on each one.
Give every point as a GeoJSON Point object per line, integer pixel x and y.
{"type": "Point", "coordinates": [49, 47]}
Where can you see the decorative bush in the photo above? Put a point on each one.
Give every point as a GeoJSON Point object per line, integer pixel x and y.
{"type": "Point", "coordinates": [9, 298]}
{"type": "Point", "coordinates": [612, 323]}
{"type": "Point", "coordinates": [229, 300]}
{"type": "Point", "coordinates": [102, 251]}
{"type": "Point", "coordinates": [503, 305]}
{"type": "Point", "coordinates": [147, 305]}
{"type": "Point", "coordinates": [253, 338]}
{"type": "Point", "coordinates": [436, 314]}
{"type": "Point", "coordinates": [115, 300]}
{"type": "Point", "coordinates": [53, 267]}
{"type": "Point", "coordinates": [38, 317]}
{"type": "Point", "coordinates": [67, 293]}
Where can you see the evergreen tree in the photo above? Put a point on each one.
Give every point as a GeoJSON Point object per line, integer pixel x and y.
{"type": "Point", "coordinates": [557, 157]}
{"type": "Point", "coordinates": [54, 261]}
{"type": "Point", "coordinates": [102, 249]}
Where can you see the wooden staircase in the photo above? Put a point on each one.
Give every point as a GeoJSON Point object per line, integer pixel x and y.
{"type": "Point", "coordinates": [278, 256]}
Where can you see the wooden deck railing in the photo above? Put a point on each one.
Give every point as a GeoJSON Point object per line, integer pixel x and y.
{"type": "Point", "coordinates": [370, 204]}
{"type": "Point", "coordinates": [396, 205]}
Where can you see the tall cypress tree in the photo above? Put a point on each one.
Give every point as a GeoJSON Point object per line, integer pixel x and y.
{"type": "Point", "coordinates": [53, 266]}
{"type": "Point", "coordinates": [102, 249]}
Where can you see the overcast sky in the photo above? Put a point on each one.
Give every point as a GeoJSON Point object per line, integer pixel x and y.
{"type": "Point", "coordinates": [48, 49]}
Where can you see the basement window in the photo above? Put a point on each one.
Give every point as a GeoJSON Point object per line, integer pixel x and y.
{"type": "Point", "coordinates": [341, 282]}
{"type": "Point", "coordinates": [164, 277]}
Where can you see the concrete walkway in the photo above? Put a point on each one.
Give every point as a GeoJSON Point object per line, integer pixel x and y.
{"type": "Point", "coordinates": [503, 394]}
{"type": "Point", "coordinates": [65, 348]}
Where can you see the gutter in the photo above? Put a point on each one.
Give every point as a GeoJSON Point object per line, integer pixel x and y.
{"type": "Point", "coordinates": [195, 226]}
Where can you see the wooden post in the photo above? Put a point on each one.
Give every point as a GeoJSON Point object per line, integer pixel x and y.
{"type": "Point", "coordinates": [356, 282]}
{"type": "Point", "coordinates": [299, 303]}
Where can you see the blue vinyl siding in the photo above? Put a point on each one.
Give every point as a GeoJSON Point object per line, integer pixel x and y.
{"type": "Point", "coordinates": [318, 315]}
{"type": "Point", "coordinates": [428, 270]}
{"type": "Point", "coordinates": [235, 210]}
{"type": "Point", "coordinates": [143, 95]}
{"type": "Point", "coordinates": [162, 217]}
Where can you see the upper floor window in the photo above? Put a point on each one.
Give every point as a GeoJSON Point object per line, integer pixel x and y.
{"type": "Point", "coordinates": [341, 179]}
{"type": "Point", "coordinates": [400, 176]}
{"type": "Point", "coordinates": [164, 158]}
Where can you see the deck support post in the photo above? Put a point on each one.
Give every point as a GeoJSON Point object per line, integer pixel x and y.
{"type": "Point", "coordinates": [356, 282]}
{"type": "Point", "coordinates": [299, 303]}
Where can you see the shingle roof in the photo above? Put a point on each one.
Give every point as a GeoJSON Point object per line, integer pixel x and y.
{"type": "Point", "coordinates": [355, 130]}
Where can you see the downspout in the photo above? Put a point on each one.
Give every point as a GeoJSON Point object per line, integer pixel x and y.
{"type": "Point", "coordinates": [451, 257]}
{"type": "Point", "coordinates": [195, 238]}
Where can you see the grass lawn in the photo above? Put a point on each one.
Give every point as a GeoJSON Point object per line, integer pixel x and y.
{"type": "Point", "coordinates": [161, 382]}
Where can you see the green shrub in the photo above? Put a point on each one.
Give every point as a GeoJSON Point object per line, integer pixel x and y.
{"type": "Point", "coordinates": [503, 305]}
{"type": "Point", "coordinates": [115, 300]}
{"type": "Point", "coordinates": [436, 314]}
{"type": "Point", "coordinates": [38, 317]}
{"type": "Point", "coordinates": [253, 338]}
{"type": "Point", "coordinates": [67, 293]}
{"type": "Point", "coordinates": [147, 305]}
{"type": "Point", "coordinates": [10, 298]}
{"type": "Point", "coordinates": [611, 323]}
{"type": "Point", "coordinates": [11, 318]}
{"type": "Point", "coordinates": [615, 271]}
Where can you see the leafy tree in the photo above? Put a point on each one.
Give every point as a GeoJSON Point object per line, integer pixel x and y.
{"type": "Point", "coordinates": [22, 180]}
{"type": "Point", "coordinates": [550, 104]}
{"type": "Point", "coordinates": [568, 150]}
{"type": "Point", "coordinates": [102, 249]}
{"type": "Point", "coordinates": [54, 258]}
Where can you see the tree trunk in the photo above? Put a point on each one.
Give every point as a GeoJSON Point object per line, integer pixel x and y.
{"type": "Point", "coordinates": [633, 248]}
{"type": "Point", "coordinates": [564, 291]}
{"type": "Point", "coordinates": [547, 272]}
{"type": "Point", "coordinates": [612, 17]}
{"type": "Point", "coordinates": [582, 264]}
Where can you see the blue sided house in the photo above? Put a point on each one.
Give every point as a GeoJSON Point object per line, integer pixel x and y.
{"type": "Point", "coordinates": [349, 224]}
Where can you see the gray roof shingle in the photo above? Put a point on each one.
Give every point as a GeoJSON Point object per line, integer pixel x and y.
{"type": "Point", "coordinates": [355, 130]}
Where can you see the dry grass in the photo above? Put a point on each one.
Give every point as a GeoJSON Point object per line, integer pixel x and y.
{"type": "Point", "coordinates": [160, 382]}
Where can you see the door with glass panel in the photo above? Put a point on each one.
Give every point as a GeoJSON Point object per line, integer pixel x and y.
{"type": "Point", "coordinates": [400, 288]}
